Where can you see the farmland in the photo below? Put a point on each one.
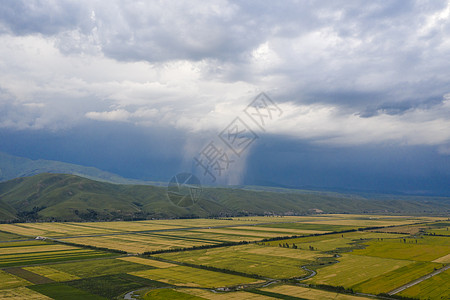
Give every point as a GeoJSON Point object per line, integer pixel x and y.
{"type": "Point", "coordinates": [295, 257]}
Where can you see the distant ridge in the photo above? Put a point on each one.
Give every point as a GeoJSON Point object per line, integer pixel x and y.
{"type": "Point", "coordinates": [63, 197]}
{"type": "Point", "coordinates": [14, 166]}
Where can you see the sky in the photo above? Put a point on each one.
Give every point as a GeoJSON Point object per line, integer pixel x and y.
{"type": "Point", "coordinates": [357, 93]}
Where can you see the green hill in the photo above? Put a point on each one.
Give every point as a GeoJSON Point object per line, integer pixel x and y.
{"type": "Point", "coordinates": [62, 197]}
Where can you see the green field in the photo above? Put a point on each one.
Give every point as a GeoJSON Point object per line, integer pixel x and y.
{"type": "Point", "coordinates": [92, 268]}
{"type": "Point", "coordinates": [110, 286]}
{"type": "Point", "coordinates": [427, 248]}
{"type": "Point", "coordinates": [164, 294]}
{"type": "Point", "coordinates": [436, 287]}
{"type": "Point", "coordinates": [388, 281]}
{"type": "Point", "coordinates": [353, 269]}
{"type": "Point", "coordinates": [60, 291]}
{"type": "Point", "coordinates": [367, 261]}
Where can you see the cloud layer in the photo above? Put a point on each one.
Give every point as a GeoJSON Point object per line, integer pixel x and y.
{"type": "Point", "coordinates": [344, 73]}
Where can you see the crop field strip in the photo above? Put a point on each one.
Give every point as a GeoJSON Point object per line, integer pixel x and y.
{"type": "Point", "coordinates": [8, 281]}
{"type": "Point", "coordinates": [35, 252]}
{"type": "Point", "coordinates": [308, 293]}
{"type": "Point", "coordinates": [51, 273]}
{"type": "Point", "coordinates": [21, 293]}
{"type": "Point", "coordinates": [241, 295]}
{"type": "Point", "coordinates": [187, 276]}
{"type": "Point", "coordinates": [28, 275]}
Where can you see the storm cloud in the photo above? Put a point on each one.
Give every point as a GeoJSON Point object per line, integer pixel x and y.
{"type": "Point", "coordinates": [345, 73]}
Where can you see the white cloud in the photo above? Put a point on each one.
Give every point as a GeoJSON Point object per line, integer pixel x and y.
{"type": "Point", "coordinates": [115, 115]}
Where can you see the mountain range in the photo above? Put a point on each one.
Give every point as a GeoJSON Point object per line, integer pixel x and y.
{"type": "Point", "coordinates": [65, 197]}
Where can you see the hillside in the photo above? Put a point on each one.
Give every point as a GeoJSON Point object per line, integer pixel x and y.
{"type": "Point", "coordinates": [14, 166]}
{"type": "Point", "coordinates": [68, 197]}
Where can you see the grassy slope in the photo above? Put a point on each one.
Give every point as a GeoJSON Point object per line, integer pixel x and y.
{"type": "Point", "coordinates": [69, 197]}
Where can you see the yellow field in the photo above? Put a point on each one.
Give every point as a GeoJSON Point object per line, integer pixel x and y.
{"type": "Point", "coordinates": [224, 296]}
{"type": "Point", "coordinates": [51, 273]}
{"type": "Point", "coordinates": [22, 293]}
{"type": "Point", "coordinates": [307, 293]}
{"type": "Point", "coordinates": [148, 262]}
{"type": "Point", "coordinates": [282, 230]}
{"type": "Point", "coordinates": [353, 269]}
{"type": "Point", "coordinates": [132, 226]}
{"type": "Point", "coordinates": [186, 276]}
{"type": "Point", "coordinates": [135, 243]}
{"type": "Point", "coordinates": [242, 233]}
{"type": "Point", "coordinates": [33, 249]}
{"type": "Point", "coordinates": [8, 281]}
{"type": "Point", "coordinates": [443, 259]}
{"type": "Point", "coordinates": [25, 231]}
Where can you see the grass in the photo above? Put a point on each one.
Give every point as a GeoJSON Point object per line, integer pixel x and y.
{"type": "Point", "coordinates": [60, 291]}
{"type": "Point", "coordinates": [187, 276]}
{"type": "Point", "coordinates": [436, 287]}
{"type": "Point", "coordinates": [249, 259]}
{"type": "Point", "coordinates": [164, 294]}
{"type": "Point", "coordinates": [354, 269]}
{"type": "Point", "coordinates": [100, 267]}
{"type": "Point", "coordinates": [111, 286]}
{"type": "Point", "coordinates": [8, 281]}
{"type": "Point", "coordinates": [387, 282]}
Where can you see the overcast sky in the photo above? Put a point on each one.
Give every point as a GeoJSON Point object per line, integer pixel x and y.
{"type": "Point", "coordinates": [347, 75]}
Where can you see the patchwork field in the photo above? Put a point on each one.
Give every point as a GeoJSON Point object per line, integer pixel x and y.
{"type": "Point", "coordinates": [236, 258]}
{"type": "Point", "coordinates": [36, 252]}
{"type": "Point", "coordinates": [187, 276]}
{"type": "Point", "coordinates": [250, 259]}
